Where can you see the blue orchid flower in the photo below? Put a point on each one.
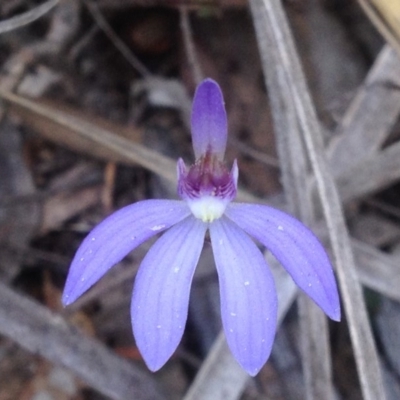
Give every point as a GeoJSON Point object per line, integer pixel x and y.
{"type": "Point", "coordinates": [162, 285]}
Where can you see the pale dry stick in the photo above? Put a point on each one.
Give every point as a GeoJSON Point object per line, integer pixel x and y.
{"type": "Point", "coordinates": [385, 14]}
{"type": "Point", "coordinates": [127, 150]}
{"type": "Point", "coordinates": [273, 26]}
{"type": "Point", "coordinates": [84, 41]}
{"type": "Point", "coordinates": [370, 116]}
{"type": "Point", "coordinates": [294, 170]}
{"type": "Point", "coordinates": [15, 66]}
{"type": "Point", "coordinates": [191, 54]}
{"type": "Point", "coordinates": [315, 347]}
{"type": "Point", "coordinates": [137, 153]}
{"type": "Point", "coordinates": [385, 207]}
{"type": "Point", "coordinates": [220, 376]}
{"type": "Point", "coordinates": [40, 331]}
{"type": "Point", "coordinates": [371, 175]}
{"type": "Point", "coordinates": [189, 45]}
{"type": "Point", "coordinates": [375, 229]}
{"type": "Point", "coordinates": [118, 43]}
{"type": "Point", "coordinates": [315, 350]}
{"type": "Point", "coordinates": [293, 164]}
{"type": "Point", "coordinates": [377, 270]}
{"type": "Point", "coordinates": [255, 154]}
{"type": "Point", "coordinates": [27, 17]}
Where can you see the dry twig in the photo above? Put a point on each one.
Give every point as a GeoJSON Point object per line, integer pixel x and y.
{"type": "Point", "coordinates": [273, 35]}
{"type": "Point", "coordinates": [189, 45]}
{"type": "Point", "coordinates": [295, 170]}
{"type": "Point", "coordinates": [27, 17]}
{"type": "Point", "coordinates": [40, 331]}
{"type": "Point", "coordinates": [118, 43]}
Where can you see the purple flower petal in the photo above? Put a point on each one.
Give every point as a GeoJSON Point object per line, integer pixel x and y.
{"type": "Point", "coordinates": [248, 297]}
{"type": "Point", "coordinates": [209, 124]}
{"type": "Point", "coordinates": [161, 293]}
{"type": "Point", "coordinates": [111, 240]}
{"type": "Point", "coordinates": [295, 247]}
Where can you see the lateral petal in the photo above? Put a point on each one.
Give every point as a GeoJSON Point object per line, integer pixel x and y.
{"type": "Point", "coordinates": [295, 247]}
{"type": "Point", "coordinates": [111, 240]}
{"type": "Point", "coordinates": [161, 292]}
{"type": "Point", "coordinates": [248, 297]}
{"type": "Point", "coordinates": [209, 123]}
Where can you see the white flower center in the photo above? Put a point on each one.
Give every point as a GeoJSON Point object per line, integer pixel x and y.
{"type": "Point", "coordinates": [207, 208]}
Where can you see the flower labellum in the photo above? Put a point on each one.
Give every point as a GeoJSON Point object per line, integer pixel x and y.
{"type": "Point", "coordinates": [161, 291]}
